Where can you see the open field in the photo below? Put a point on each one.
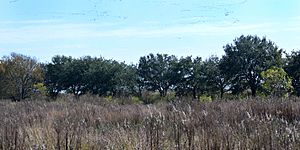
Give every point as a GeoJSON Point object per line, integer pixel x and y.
{"type": "Point", "coordinates": [92, 123]}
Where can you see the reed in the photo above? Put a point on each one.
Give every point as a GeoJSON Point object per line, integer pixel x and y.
{"type": "Point", "coordinates": [93, 123]}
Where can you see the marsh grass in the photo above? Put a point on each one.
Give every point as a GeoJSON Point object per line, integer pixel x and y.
{"type": "Point", "coordinates": [93, 123]}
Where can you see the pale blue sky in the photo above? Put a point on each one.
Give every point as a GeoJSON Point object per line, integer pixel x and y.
{"type": "Point", "coordinates": [124, 30]}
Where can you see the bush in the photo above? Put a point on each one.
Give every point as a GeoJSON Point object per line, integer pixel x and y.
{"type": "Point", "coordinates": [205, 98]}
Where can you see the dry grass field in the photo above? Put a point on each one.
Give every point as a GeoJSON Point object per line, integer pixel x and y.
{"type": "Point", "coordinates": [93, 123]}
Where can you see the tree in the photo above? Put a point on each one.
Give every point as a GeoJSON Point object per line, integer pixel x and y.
{"type": "Point", "coordinates": [293, 70]}
{"type": "Point", "coordinates": [100, 77]}
{"type": "Point", "coordinates": [244, 61]}
{"type": "Point", "coordinates": [276, 82]}
{"type": "Point", "coordinates": [75, 81]}
{"type": "Point", "coordinates": [125, 79]}
{"type": "Point", "coordinates": [184, 71]}
{"type": "Point", "coordinates": [20, 75]}
{"type": "Point", "coordinates": [55, 75]}
{"type": "Point", "coordinates": [216, 80]}
{"type": "Point", "coordinates": [89, 75]}
{"type": "Point", "coordinates": [197, 79]}
{"type": "Point", "coordinates": [156, 72]}
{"type": "Point", "coordinates": [191, 77]}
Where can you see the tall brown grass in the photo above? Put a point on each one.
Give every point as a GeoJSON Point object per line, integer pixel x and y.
{"type": "Point", "coordinates": [92, 123]}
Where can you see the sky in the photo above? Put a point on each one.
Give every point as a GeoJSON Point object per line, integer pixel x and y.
{"type": "Point", "coordinates": [125, 30]}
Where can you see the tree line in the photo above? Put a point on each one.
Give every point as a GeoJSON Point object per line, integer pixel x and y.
{"type": "Point", "coordinates": [251, 65]}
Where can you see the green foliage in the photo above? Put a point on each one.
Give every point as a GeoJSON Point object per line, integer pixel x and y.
{"type": "Point", "coordinates": [107, 77]}
{"type": "Point", "coordinates": [55, 75]}
{"type": "Point", "coordinates": [75, 72]}
{"type": "Point", "coordinates": [125, 80]}
{"type": "Point", "coordinates": [100, 77]}
{"type": "Point", "coordinates": [276, 82]}
{"type": "Point", "coordinates": [240, 72]}
{"type": "Point", "coordinates": [217, 81]}
{"type": "Point", "coordinates": [293, 70]}
{"type": "Point", "coordinates": [244, 61]}
{"type": "Point", "coordinates": [183, 70]}
{"type": "Point", "coordinates": [41, 88]}
{"type": "Point", "coordinates": [192, 77]}
{"type": "Point", "coordinates": [109, 98]}
{"type": "Point", "coordinates": [205, 98]}
{"type": "Point", "coordinates": [89, 75]}
{"type": "Point", "coordinates": [156, 72]}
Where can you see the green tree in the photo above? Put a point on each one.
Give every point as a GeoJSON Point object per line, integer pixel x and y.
{"type": "Point", "coordinates": [246, 58]}
{"type": "Point", "coordinates": [20, 75]}
{"type": "Point", "coordinates": [156, 72]}
{"type": "Point", "coordinates": [216, 82]}
{"type": "Point", "coordinates": [276, 82]}
{"type": "Point", "coordinates": [125, 80]}
{"type": "Point", "coordinates": [293, 70]}
{"type": "Point", "coordinates": [100, 77]}
{"type": "Point", "coordinates": [191, 78]}
{"type": "Point", "coordinates": [75, 71]}
{"type": "Point", "coordinates": [184, 71]}
{"type": "Point", "coordinates": [198, 78]}
{"type": "Point", "coordinates": [56, 75]}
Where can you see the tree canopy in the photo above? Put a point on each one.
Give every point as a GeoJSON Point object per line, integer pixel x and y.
{"type": "Point", "coordinates": [156, 72]}
{"type": "Point", "coordinates": [276, 82]}
{"type": "Point", "coordinates": [250, 64]}
{"type": "Point", "coordinates": [89, 75]}
{"type": "Point", "coordinates": [293, 70]}
{"type": "Point", "coordinates": [246, 58]}
{"type": "Point", "coordinates": [19, 73]}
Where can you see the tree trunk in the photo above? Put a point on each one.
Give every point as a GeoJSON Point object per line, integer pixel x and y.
{"type": "Point", "coordinates": [21, 93]}
{"type": "Point", "coordinates": [194, 93]}
{"type": "Point", "coordinates": [140, 91]}
{"type": "Point", "coordinates": [221, 93]}
{"type": "Point", "coordinates": [163, 92]}
{"type": "Point", "coordinates": [253, 91]}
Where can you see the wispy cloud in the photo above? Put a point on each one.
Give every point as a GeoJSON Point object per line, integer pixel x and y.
{"type": "Point", "coordinates": [78, 31]}
{"type": "Point", "coordinates": [196, 29]}
{"type": "Point", "coordinates": [24, 22]}
{"type": "Point", "coordinates": [47, 31]}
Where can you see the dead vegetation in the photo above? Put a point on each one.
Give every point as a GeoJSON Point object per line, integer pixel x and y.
{"type": "Point", "coordinates": [92, 123]}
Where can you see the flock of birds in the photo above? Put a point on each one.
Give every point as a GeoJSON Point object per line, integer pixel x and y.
{"type": "Point", "coordinates": [208, 10]}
